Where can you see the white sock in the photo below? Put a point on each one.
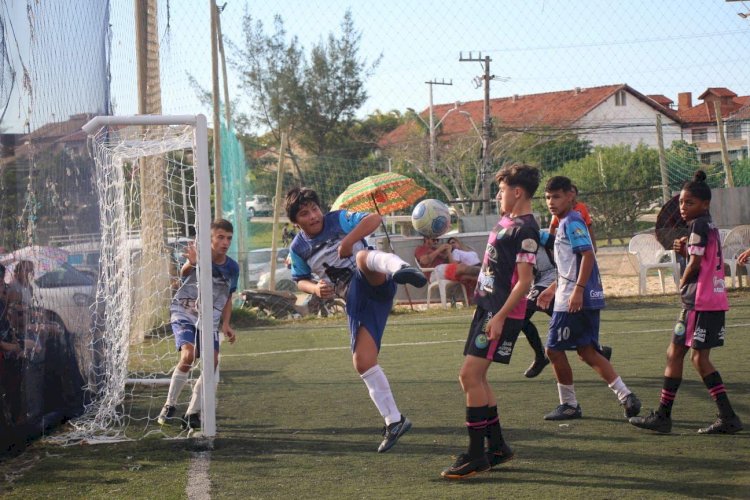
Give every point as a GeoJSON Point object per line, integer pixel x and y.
{"type": "Point", "coordinates": [380, 393]}
{"type": "Point", "coordinates": [383, 262]}
{"type": "Point", "coordinates": [179, 379]}
{"type": "Point", "coordinates": [567, 395]}
{"type": "Point", "coordinates": [196, 401]}
{"type": "Point", "coordinates": [620, 389]}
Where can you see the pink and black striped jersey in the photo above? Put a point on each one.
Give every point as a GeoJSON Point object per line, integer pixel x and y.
{"type": "Point", "coordinates": [706, 290]}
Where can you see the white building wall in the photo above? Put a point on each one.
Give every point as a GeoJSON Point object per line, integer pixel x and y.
{"type": "Point", "coordinates": [631, 124]}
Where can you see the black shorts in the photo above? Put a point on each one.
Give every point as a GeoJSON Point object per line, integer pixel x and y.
{"type": "Point", "coordinates": [531, 306]}
{"type": "Point", "coordinates": [700, 329]}
{"type": "Point", "coordinates": [499, 351]}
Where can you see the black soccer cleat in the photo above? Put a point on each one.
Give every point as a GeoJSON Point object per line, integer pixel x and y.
{"type": "Point", "coordinates": [606, 351]}
{"type": "Point", "coordinates": [166, 414]}
{"type": "Point", "coordinates": [654, 421]}
{"type": "Point", "coordinates": [536, 368]}
{"type": "Point", "coordinates": [497, 457]}
{"type": "Point", "coordinates": [392, 432]}
{"type": "Point", "coordinates": [410, 275]}
{"type": "Point", "coordinates": [723, 425]}
{"type": "Point", "coordinates": [565, 412]}
{"type": "Point", "coordinates": [632, 405]}
{"type": "Point", "coordinates": [465, 466]}
{"type": "Point", "coordinates": [191, 421]}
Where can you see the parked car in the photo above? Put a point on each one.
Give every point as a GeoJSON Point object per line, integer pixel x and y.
{"type": "Point", "coordinates": [259, 205]}
{"type": "Point", "coordinates": [66, 293]}
{"type": "Point", "coordinates": [283, 280]}
{"type": "Point", "coordinates": [259, 262]}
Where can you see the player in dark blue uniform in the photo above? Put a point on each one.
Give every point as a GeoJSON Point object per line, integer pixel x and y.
{"type": "Point", "coordinates": [329, 257]}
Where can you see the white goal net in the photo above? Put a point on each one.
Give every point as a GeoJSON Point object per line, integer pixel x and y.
{"type": "Point", "coordinates": [154, 197]}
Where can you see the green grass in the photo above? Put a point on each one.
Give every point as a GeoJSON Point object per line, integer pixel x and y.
{"type": "Point", "coordinates": [300, 423]}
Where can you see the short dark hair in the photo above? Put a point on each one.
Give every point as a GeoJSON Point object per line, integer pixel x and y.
{"type": "Point", "coordinates": [222, 224]}
{"type": "Point", "coordinates": [698, 186]}
{"type": "Point", "coordinates": [296, 198]}
{"type": "Point", "coordinates": [520, 175]}
{"type": "Point", "coordinates": [557, 183]}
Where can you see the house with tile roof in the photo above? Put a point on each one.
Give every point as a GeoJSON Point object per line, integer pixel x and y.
{"type": "Point", "coordinates": [700, 126]}
{"type": "Point", "coordinates": [606, 115]}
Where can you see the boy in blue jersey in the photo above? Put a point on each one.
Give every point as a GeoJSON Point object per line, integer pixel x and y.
{"type": "Point", "coordinates": [578, 298]}
{"type": "Point", "coordinates": [225, 273]}
{"type": "Point", "coordinates": [330, 258]}
{"type": "Point", "coordinates": [502, 285]}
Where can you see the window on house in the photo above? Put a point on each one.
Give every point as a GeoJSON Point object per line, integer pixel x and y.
{"type": "Point", "coordinates": [620, 98]}
{"type": "Point", "coordinates": [734, 131]}
{"type": "Point", "coordinates": [700, 135]}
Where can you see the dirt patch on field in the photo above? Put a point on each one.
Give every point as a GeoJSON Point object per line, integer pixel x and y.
{"type": "Point", "coordinates": [620, 278]}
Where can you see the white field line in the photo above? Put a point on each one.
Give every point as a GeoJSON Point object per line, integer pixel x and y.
{"type": "Point", "coordinates": [431, 342]}
{"type": "Point", "coordinates": [199, 483]}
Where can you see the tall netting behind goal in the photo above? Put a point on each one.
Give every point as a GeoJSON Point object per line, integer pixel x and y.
{"type": "Point", "coordinates": [153, 190]}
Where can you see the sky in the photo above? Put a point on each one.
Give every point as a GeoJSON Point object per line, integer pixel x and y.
{"type": "Point", "coordinates": [657, 47]}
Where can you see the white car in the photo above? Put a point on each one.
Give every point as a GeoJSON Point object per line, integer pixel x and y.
{"type": "Point", "coordinates": [259, 205]}
{"type": "Point", "coordinates": [259, 262]}
{"type": "Point", "coordinates": [64, 291]}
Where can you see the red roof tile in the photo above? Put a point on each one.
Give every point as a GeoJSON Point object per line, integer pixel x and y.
{"type": "Point", "coordinates": [549, 109]}
{"type": "Point", "coordinates": [717, 91]}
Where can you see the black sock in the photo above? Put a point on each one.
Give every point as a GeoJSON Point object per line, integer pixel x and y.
{"type": "Point", "coordinates": [668, 394]}
{"type": "Point", "coordinates": [476, 424]}
{"type": "Point", "coordinates": [494, 430]}
{"type": "Point", "coordinates": [532, 335]}
{"type": "Point", "coordinates": [719, 394]}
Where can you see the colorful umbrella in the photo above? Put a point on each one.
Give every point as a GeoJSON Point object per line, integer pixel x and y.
{"type": "Point", "coordinates": [383, 193]}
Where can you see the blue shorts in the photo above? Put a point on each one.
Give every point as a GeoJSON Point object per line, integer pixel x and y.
{"type": "Point", "coordinates": [569, 331]}
{"type": "Point", "coordinates": [368, 306]}
{"type": "Point", "coordinates": [185, 333]}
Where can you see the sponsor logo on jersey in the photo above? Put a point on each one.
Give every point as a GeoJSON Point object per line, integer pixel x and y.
{"type": "Point", "coordinates": [719, 286]}
{"type": "Point", "coordinates": [481, 341]}
{"type": "Point", "coordinates": [529, 245]}
{"type": "Point", "coordinates": [596, 294]}
{"type": "Point", "coordinates": [700, 334]}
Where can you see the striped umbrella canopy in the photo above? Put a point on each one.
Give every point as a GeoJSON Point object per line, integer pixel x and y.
{"type": "Point", "coordinates": [382, 193]}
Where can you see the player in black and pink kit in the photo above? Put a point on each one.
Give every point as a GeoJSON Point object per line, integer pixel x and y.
{"type": "Point", "coordinates": [502, 285]}
{"type": "Point", "coordinates": [701, 323]}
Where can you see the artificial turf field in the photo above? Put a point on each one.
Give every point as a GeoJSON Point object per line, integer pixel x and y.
{"type": "Point", "coordinates": [295, 421]}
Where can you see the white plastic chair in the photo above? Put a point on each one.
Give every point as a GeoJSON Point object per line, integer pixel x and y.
{"type": "Point", "coordinates": [646, 254]}
{"type": "Point", "coordinates": [442, 285]}
{"type": "Point", "coordinates": [733, 244]}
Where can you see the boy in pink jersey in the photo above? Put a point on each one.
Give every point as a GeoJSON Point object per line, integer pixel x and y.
{"type": "Point", "coordinates": [701, 323]}
{"type": "Point", "coordinates": [502, 285]}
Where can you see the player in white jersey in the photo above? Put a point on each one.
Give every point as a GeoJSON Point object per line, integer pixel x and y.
{"type": "Point", "coordinates": [329, 257]}
{"type": "Point", "coordinates": [701, 323]}
{"type": "Point", "coordinates": [184, 318]}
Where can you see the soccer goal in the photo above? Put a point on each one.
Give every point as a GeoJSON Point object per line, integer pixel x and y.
{"type": "Point", "coordinates": [153, 187]}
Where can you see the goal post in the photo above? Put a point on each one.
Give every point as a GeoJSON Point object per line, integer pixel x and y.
{"type": "Point", "coordinates": [153, 181]}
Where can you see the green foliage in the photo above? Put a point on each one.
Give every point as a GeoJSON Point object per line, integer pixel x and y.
{"type": "Point", "coordinates": [548, 151]}
{"type": "Point", "coordinates": [618, 185]}
{"type": "Point", "coordinates": [315, 98]}
{"type": "Point", "coordinates": [741, 172]}
{"type": "Point", "coordinates": [682, 160]}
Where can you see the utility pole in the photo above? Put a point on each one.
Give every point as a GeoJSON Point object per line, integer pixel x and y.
{"type": "Point", "coordinates": [433, 134]}
{"type": "Point", "coordinates": [486, 125]}
{"type": "Point", "coordinates": [216, 105]}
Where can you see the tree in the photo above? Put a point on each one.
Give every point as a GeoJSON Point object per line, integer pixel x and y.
{"type": "Point", "coordinates": [314, 102]}
{"type": "Point", "coordinates": [618, 184]}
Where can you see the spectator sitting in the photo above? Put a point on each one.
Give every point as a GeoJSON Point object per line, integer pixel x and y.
{"type": "Point", "coordinates": [440, 257]}
{"type": "Point", "coordinates": [463, 254]}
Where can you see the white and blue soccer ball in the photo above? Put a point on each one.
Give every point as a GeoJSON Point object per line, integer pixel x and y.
{"type": "Point", "coordinates": [431, 218]}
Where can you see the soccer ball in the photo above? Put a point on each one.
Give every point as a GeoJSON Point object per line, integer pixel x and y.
{"type": "Point", "coordinates": [431, 218]}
